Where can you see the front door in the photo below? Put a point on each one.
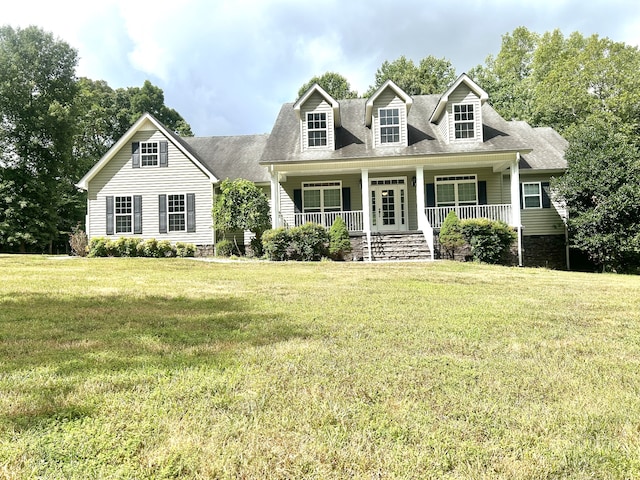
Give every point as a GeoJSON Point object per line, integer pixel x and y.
{"type": "Point", "coordinates": [388, 200]}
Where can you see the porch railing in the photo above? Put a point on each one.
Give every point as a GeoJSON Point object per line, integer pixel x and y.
{"type": "Point", "coordinates": [352, 219]}
{"type": "Point", "coordinates": [436, 215]}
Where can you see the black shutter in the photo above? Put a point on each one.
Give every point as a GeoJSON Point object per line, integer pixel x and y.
{"type": "Point", "coordinates": [482, 192]}
{"type": "Point", "coordinates": [297, 200]}
{"type": "Point", "coordinates": [346, 199]}
{"type": "Point", "coordinates": [110, 216]}
{"type": "Point", "coordinates": [191, 212]}
{"type": "Point", "coordinates": [162, 213]}
{"type": "Point", "coordinates": [430, 194]}
{"type": "Point", "coordinates": [546, 200]}
{"type": "Point", "coordinates": [137, 214]}
{"type": "Point", "coordinates": [135, 154]}
{"type": "Point", "coordinates": [521, 194]}
{"type": "Point", "coordinates": [164, 154]}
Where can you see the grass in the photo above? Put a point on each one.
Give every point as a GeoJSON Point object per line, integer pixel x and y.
{"type": "Point", "coordinates": [146, 368]}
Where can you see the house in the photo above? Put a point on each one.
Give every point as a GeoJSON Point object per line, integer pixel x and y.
{"type": "Point", "coordinates": [392, 166]}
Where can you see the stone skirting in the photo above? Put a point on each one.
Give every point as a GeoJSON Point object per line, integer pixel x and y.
{"type": "Point", "coordinates": [544, 251]}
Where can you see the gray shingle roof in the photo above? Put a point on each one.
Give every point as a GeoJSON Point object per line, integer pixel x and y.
{"type": "Point", "coordinates": [231, 157]}
{"type": "Point", "coordinates": [354, 140]}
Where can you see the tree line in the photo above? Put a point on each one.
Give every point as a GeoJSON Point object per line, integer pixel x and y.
{"type": "Point", "coordinates": [585, 87]}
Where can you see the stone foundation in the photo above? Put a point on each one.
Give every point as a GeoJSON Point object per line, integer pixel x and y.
{"type": "Point", "coordinates": [204, 251]}
{"type": "Point", "coordinates": [547, 251]}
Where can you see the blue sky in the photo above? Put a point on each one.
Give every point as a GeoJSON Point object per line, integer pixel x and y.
{"type": "Point", "coordinates": [228, 65]}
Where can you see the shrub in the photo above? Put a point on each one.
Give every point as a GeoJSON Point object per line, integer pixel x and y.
{"type": "Point", "coordinates": [490, 240]}
{"type": "Point", "coordinates": [256, 247]}
{"type": "Point", "coordinates": [78, 242]}
{"type": "Point", "coordinates": [224, 248]}
{"type": "Point", "coordinates": [451, 234]}
{"type": "Point", "coordinates": [165, 249]}
{"type": "Point", "coordinates": [185, 249]}
{"type": "Point", "coordinates": [309, 242]}
{"type": "Point", "coordinates": [98, 247]}
{"type": "Point", "coordinates": [150, 248]}
{"type": "Point", "coordinates": [275, 243]}
{"type": "Point", "coordinates": [127, 247]}
{"type": "Point", "coordinates": [339, 243]}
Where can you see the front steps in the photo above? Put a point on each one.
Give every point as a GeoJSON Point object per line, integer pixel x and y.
{"type": "Point", "coordinates": [397, 246]}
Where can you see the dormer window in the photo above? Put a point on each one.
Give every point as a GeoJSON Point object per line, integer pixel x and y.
{"type": "Point", "coordinates": [463, 120]}
{"type": "Point", "coordinates": [317, 129]}
{"type": "Point", "coordinates": [389, 125]}
{"type": "Point", "coordinates": [149, 152]}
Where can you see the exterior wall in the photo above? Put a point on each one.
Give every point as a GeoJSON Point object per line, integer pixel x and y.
{"type": "Point", "coordinates": [118, 178]}
{"type": "Point", "coordinates": [463, 94]}
{"type": "Point", "coordinates": [537, 221]}
{"type": "Point", "coordinates": [495, 184]}
{"type": "Point", "coordinates": [388, 99]}
{"type": "Point", "coordinates": [317, 104]}
{"type": "Point", "coordinates": [547, 251]}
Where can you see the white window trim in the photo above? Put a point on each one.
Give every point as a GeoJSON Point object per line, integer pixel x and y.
{"type": "Point", "coordinates": [455, 180]}
{"type": "Point", "coordinates": [322, 186]}
{"type": "Point", "coordinates": [380, 126]}
{"type": "Point", "coordinates": [116, 215]}
{"type": "Point", "coordinates": [169, 230]}
{"type": "Point", "coordinates": [456, 122]}
{"type": "Point", "coordinates": [325, 130]}
{"type": "Point", "coordinates": [156, 154]}
{"type": "Point", "coordinates": [525, 196]}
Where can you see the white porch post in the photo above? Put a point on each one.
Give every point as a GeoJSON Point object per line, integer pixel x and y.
{"type": "Point", "coordinates": [516, 221]}
{"type": "Point", "coordinates": [366, 208]}
{"type": "Point", "coordinates": [420, 196]}
{"type": "Point", "coordinates": [275, 200]}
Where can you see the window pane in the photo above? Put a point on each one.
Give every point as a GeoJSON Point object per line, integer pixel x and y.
{"type": "Point", "coordinates": [467, 192]}
{"type": "Point", "coordinates": [532, 202]}
{"type": "Point", "coordinates": [446, 194]}
{"type": "Point", "coordinates": [123, 223]}
{"type": "Point", "coordinates": [176, 222]}
{"type": "Point", "coordinates": [311, 199]}
{"type": "Point", "coordinates": [531, 188]}
{"type": "Point", "coordinates": [332, 199]}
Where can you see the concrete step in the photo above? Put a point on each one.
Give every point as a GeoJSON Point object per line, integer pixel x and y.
{"type": "Point", "coordinates": [399, 246]}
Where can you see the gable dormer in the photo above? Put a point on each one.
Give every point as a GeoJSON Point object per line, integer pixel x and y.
{"type": "Point", "coordinates": [459, 112]}
{"type": "Point", "coordinates": [319, 116]}
{"type": "Point", "coordinates": [386, 114]}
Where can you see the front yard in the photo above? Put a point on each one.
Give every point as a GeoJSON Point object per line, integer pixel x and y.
{"type": "Point", "coordinates": [148, 368]}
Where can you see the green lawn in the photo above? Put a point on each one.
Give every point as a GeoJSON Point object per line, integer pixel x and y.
{"type": "Point", "coordinates": [145, 368]}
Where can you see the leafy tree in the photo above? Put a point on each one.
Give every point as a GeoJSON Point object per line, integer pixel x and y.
{"type": "Point", "coordinates": [333, 83]}
{"type": "Point", "coordinates": [37, 92]}
{"type": "Point", "coordinates": [241, 205]}
{"type": "Point", "coordinates": [431, 75]}
{"type": "Point", "coordinates": [602, 193]}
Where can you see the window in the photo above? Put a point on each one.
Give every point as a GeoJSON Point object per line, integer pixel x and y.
{"type": "Point", "coordinates": [389, 125]}
{"type": "Point", "coordinates": [149, 153]}
{"type": "Point", "coordinates": [124, 214]}
{"type": "Point", "coordinates": [532, 195]}
{"type": "Point", "coordinates": [463, 121]}
{"type": "Point", "coordinates": [322, 197]}
{"type": "Point", "coordinates": [317, 129]}
{"type": "Point", "coordinates": [177, 213]}
{"type": "Point", "coordinates": [456, 190]}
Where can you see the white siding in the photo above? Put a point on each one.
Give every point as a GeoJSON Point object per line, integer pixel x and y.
{"type": "Point", "coordinates": [316, 104]}
{"type": "Point", "coordinates": [463, 94]}
{"type": "Point", "coordinates": [388, 99]}
{"type": "Point", "coordinates": [119, 178]}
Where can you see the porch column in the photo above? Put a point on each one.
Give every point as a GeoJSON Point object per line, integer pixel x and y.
{"type": "Point", "coordinates": [366, 207]}
{"type": "Point", "coordinates": [275, 200]}
{"type": "Point", "coordinates": [420, 196]}
{"type": "Point", "coordinates": [516, 220]}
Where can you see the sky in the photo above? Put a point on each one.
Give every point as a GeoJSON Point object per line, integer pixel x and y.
{"type": "Point", "coordinates": [227, 66]}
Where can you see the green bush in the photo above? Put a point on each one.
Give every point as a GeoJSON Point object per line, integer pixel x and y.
{"type": "Point", "coordinates": [127, 247]}
{"type": "Point", "coordinates": [451, 234]}
{"type": "Point", "coordinates": [339, 243]}
{"type": "Point", "coordinates": [256, 247]}
{"type": "Point", "coordinates": [309, 242]}
{"type": "Point", "coordinates": [185, 249]}
{"type": "Point", "coordinates": [224, 248]}
{"type": "Point", "coordinates": [165, 249]}
{"type": "Point", "coordinates": [490, 241]}
{"type": "Point", "coordinates": [98, 247]}
{"type": "Point", "coordinates": [276, 243]}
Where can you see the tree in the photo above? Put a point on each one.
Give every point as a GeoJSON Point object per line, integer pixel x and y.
{"type": "Point", "coordinates": [333, 83]}
{"type": "Point", "coordinates": [602, 193]}
{"type": "Point", "coordinates": [37, 92]}
{"type": "Point", "coordinates": [432, 75]}
{"type": "Point", "coordinates": [241, 206]}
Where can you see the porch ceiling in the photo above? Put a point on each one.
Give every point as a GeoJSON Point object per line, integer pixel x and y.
{"type": "Point", "coordinates": [499, 161]}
